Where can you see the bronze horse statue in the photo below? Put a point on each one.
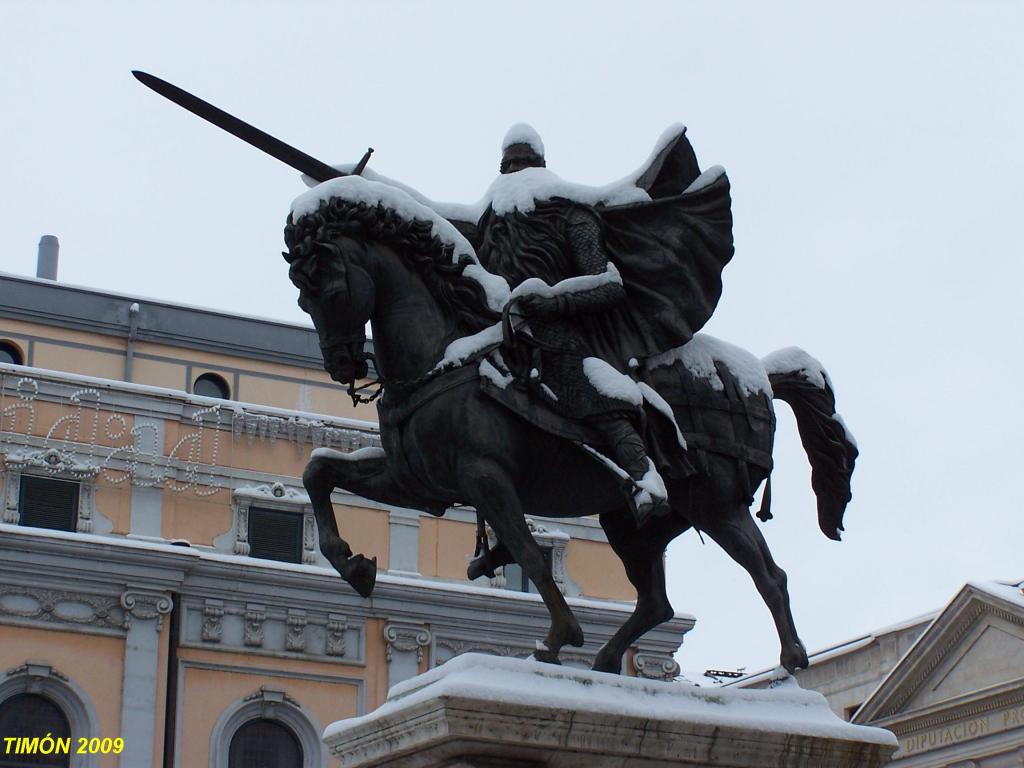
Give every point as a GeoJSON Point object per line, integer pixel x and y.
{"type": "Point", "coordinates": [446, 440]}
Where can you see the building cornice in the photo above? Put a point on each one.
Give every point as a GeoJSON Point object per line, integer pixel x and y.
{"type": "Point", "coordinates": [73, 307]}
{"type": "Point", "coordinates": [110, 565]}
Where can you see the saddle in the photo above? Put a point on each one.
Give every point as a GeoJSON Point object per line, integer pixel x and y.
{"type": "Point", "coordinates": [720, 422]}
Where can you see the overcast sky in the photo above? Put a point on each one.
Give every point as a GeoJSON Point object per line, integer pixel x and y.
{"type": "Point", "coordinates": [876, 162]}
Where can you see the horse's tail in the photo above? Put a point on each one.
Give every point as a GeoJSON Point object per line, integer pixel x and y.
{"type": "Point", "coordinates": [799, 380]}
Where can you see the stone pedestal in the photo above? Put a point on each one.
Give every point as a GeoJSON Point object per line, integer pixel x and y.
{"type": "Point", "coordinates": [486, 712]}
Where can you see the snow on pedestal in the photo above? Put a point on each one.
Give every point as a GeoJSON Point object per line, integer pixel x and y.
{"type": "Point", "coordinates": [480, 711]}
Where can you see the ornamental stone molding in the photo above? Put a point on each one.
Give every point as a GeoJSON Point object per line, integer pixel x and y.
{"type": "Point", "coordinates": [213, 615]}
{"type": "Point", "coordinates": [278, 492]}
{"type": "Point", "coordinates": [88, 520]}
{"type": "Point", "coordinates": [296, 635]}
{"type": "Point", "coordinates": [66, 608]}
{"type": "Point", "coordinates": [268, 698]}
{"type": "Point", "coordinates": [12, 484]}
{"type": "Point", "coordinates": [241, 516]}
{"type": "Point", "coordinates": [270, 629]}
{"type": "Point", "coordinates": [454, 647]}
{"type": "Point", "coordinates": [447, 648]}
{"type": "Point", "coordinates": [145, 605]}
{"type": "Point", "coordinates": [271, 496]}
{"type": "Point", "coordinates": [309, 551]}
{"type": "Point", "coordinates": [35, 674]}
{"type": "Point", "coordinates": [405, 638]}
{"type": "Point", "coordinates": [336, 626]}
{"type": "Point", "coordinates": [403, 649]}
{"type": "Point", "coordinates": [655, 666]}
{"type": "Point", "coordinates": [255, 615]}
{"type": "Point", "coordinates": [301, 431]}
{"type": "Point", "coordinates": [54, 461]}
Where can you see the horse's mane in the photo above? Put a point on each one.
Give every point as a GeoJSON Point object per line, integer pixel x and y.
{"type": "Point", "coordinates": [414, 241]}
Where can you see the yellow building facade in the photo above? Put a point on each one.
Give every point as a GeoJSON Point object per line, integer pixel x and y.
{"type": "Point", "coordinates": [160, 577]}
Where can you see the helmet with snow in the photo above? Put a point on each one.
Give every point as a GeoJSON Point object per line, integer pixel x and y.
{"type": "Point", "coordinates": [521, 148]}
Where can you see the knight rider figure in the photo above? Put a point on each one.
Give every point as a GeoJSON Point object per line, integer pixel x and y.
{"type": "Point", "coordinates": [558, 240]}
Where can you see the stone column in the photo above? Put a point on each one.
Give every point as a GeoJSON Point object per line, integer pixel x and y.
{"type": "Point", "coordinates": [147, 499]}
{"type": "Point", "coordinates": [144, 619]}
{"type": "Point", "coordinates": [404, 644]}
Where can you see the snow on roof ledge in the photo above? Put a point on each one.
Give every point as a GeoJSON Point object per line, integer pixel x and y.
{"type": "Point", "coordinates": [204, 553]}
{"type": "Point", "coordinates": [838, 649]}
{"type": "Point", "coordinates": [227, 406]}
{"type": "Point", "coordinates": [1010, 591]}
{"type": "Point", "coordinates": [527, 683]}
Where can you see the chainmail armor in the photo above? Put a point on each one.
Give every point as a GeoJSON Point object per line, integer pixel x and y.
{"type": "Point", "coordinates": [558, 336]}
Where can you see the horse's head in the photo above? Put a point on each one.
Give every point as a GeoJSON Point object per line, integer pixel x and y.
{"type": "Point", "coordinates": [337, 292]}
{"type": "Point", "coordinates": [349, 258]}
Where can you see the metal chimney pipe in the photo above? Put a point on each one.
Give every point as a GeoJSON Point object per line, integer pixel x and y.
{"type": "Point", "coordinates": [49, 253]}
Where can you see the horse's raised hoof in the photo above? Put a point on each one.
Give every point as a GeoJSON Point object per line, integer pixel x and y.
{"type": "Point", "coordinates": [360, 573]}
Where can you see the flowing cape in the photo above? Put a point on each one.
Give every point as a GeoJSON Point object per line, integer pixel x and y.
{"type": "Point", "coordinates": [670, 253]}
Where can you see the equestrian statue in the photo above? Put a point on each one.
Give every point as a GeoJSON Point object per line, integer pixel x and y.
{"type": "Point", "coordinates": [539, 354]}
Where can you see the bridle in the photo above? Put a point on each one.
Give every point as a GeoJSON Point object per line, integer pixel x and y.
{"type": "Point", "coordinates": [355, 392]}
{"type": "Point", "coordinates": [357, 353]}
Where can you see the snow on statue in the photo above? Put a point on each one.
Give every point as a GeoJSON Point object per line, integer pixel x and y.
{"type": "Point", "coordinates": [538, 354]}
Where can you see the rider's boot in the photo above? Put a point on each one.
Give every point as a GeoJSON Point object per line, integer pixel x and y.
{"type": "Point", "coordinates": [629, 452]}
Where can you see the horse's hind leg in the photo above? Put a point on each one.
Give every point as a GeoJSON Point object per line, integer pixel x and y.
{"type": "Point", "coordinates": [642, 555]}
{"type": "Point", "coordinates": [738, 535]}
{"type": "Point", "coordinates": [493, 494]}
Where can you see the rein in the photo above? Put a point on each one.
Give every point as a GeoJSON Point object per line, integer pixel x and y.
{"type": "Point", "coordinates": [405, 389]}
{"type": "Point", "coordinates": [354, 391]}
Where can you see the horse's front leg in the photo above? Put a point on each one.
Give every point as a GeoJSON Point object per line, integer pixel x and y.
{"type": "Point", "coordinates": [491, 490]}
{"type": "Point", "coordinates": [365, 473]}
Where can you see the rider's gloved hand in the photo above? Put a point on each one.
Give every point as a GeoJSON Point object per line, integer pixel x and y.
{"type": "Point", "coordinates": [540, 306]}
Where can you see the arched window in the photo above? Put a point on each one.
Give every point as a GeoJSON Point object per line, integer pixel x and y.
{"type": "Point", "coordinates": [31, 715]}
{"type": "Point", "coordinates": [267, 729]}
{"type": "Point", "coordinates": [211, 385]}
{"type": "Point", "coordinates": [264, 743]}
{"type": "Point", "coordinates": [10, 353]}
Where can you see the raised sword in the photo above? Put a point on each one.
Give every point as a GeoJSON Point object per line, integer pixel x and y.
{"type": "Point", "coordinates": [296, 158]}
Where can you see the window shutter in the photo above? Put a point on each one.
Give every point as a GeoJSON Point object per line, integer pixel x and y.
{"type": "Point", "coordinates": [48, 503]}
{"type": "Point", "coordinates": [275, 535]}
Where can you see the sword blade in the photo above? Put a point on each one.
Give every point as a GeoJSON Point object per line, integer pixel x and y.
{"type": "Point", "coordinates": [286, 153]}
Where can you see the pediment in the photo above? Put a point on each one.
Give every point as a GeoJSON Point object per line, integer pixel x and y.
{"type": "Point", "coordinates": [975, 644]}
